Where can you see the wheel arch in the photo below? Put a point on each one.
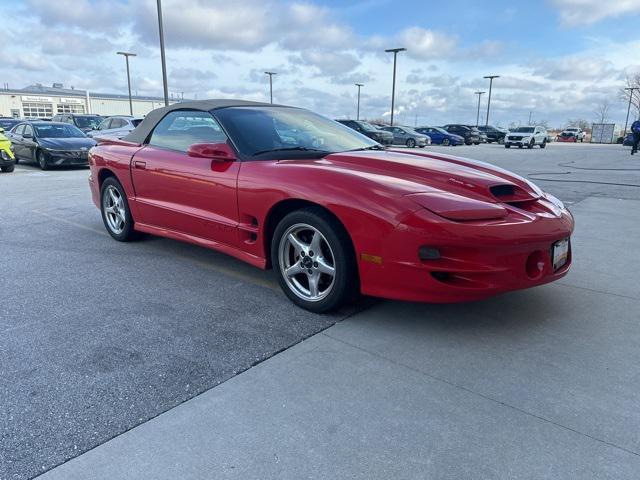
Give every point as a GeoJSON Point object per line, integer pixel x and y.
{"type": "Point", "coordinates": [103, 174]}
{"type": "Point", "coordinates": [282, 208]}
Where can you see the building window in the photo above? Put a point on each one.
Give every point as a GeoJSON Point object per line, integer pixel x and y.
{"type": "Point", "coordinates": [37, 110]}
{"type": "Point", "coordinates": [70, 108]}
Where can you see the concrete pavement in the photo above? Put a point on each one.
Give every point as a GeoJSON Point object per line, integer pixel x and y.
{"type": "Point", "coordinates": [535, 384]}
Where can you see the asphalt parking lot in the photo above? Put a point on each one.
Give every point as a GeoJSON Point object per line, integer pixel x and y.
{"type": "Point", "coordinates": [101, 338]}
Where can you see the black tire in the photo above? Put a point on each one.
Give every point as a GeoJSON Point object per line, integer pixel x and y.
{"type": "Point", "coordinates": [8, 168]}
{"type": "Point", "coordinates": [519, 146]}
{"type": "Point", "coordinates": [507, 146]}
{"type": "Point", "coordinates": [41, 160]}
{"type": "Point", "coordinates": [128, 233]}
{"type": "Point", "coordinates": [544, 143]}
{"type": "Point", "coordinates": [531, 144]}
{"type": "Point", "coordinates": [411, 143]}
{"type": "Point", "coordinates": [445, 142]}
{"type": "Point", "coordinates": [501, 141]}
{"type": "Point", "coordinates": [346, 284]}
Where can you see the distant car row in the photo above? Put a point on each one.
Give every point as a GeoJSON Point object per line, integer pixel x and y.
{"type": "Point", "coordinates": [63, 140]}
{"type": "Point", "coordinates": [450, 134]}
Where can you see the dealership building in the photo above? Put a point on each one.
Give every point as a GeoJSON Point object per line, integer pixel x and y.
{"type": "Point", "coordinates": [39, 101]}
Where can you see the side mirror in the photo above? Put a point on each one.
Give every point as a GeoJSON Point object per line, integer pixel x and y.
{"type": "Point", "coordinates": [219, 152]}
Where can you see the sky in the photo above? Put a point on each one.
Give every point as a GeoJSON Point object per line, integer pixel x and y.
{"type": "Point", "coordinates": [557, 59]}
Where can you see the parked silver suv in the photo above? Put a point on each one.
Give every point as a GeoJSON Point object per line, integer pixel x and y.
{"type": "Point", "coordinates": [115, 127]}
{"type": "Point", "coordinates": [526, 137]}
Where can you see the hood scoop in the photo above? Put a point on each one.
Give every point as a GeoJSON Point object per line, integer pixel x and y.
{"type": "Point", "coordinates": [510, 193]}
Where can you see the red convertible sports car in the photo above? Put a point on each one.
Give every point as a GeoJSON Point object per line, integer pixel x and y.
{"type": "Point", "coordinates": [330, 210]}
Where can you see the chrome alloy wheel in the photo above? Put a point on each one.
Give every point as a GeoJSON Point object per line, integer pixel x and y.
{"type": "Point", "coordinates": [307, 262]}
{"type": "Point", "coordinates": [113, 206]}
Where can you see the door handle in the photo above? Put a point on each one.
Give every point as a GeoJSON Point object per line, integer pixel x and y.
{"type": "Point", "coordinates": [139, 165]}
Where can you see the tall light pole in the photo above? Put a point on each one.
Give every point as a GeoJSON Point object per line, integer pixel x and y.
{"type": "Point", "coordinates": [359, 85]}
{"type": "Point", "coordinates": [626, 122]}
{"type": "Point", "coordinates": [271, 74]}
{"type": "Point", "coordinates": [393, 88]}
{"type": "Point", "coordinates": [490, 77]}
{"type": "Point", "coordinates": [478, 114]}
{"type": "Point", "coordinates": [126, 57]}
{"type": "Point", "coordinates": [162, 56]}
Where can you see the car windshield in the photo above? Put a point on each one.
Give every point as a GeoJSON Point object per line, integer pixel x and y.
{"type": "Point", "coordinates": [88, 122]}
{"type": "Point", "coordinates": [571, 129]}
{"type": "Point", "coordinates": [524, 130]}
{"type": "Point", "coordinates": [261, 130]}
{"type": "Point", "coordinates": [368, 127]}
{"type": "Point", "coordinates": [57, 130]}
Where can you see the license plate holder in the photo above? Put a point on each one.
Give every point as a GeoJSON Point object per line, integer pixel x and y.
{"type": "Point", "coordinates": [560, 253]}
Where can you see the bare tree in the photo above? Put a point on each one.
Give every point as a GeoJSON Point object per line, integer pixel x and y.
{"type": "Point", "coordinates": [580, 123]}
{"type": "Point", "coordinates": [602, 111]}
{"type": "Point", "coordinates": [631, 82]}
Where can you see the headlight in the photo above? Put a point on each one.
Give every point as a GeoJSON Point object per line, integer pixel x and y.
{"type": "Point", "coordinates": [4, 155]}
{"type": "Point", "coordinates": [458, 208]}
{"type": "Point", "coordinates": [524, 139]}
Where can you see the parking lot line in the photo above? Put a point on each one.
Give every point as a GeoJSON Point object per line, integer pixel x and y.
{"type": "Point", "coordinates": [69, 222]}
{"type": "Point", "coordinates": [209, 266]}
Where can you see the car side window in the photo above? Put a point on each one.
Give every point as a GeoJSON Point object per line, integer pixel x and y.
{"type": "Point", "coordinates": [104, 125]}
{"type": "Point", "coordinates": [117, 123]}
{"type": "Point", "coordinates": [28, 130]}
{"type": "Point", "coordinates": [180, 129]}
{"type": "Point", "coordinates": [19, 130]}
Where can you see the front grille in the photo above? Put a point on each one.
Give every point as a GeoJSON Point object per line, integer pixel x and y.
{"type": "Point", "coordinates": [513, 138]}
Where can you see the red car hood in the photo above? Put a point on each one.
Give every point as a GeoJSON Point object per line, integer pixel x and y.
{"type": "Point", "coordinates": [411, 173]}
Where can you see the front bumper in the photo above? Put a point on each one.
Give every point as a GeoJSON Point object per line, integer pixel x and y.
{"type": "Point", "coordinates": [524, 141]}
{"type": "Point", "coordinates": [6, 157]}
{"type": "Point", "coordinates": [477, 259]}
{"type": "Point", "coordinates": [57, 158]}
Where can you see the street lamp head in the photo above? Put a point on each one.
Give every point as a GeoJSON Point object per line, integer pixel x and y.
{"type": "Point", "coordinates": [359, 84]}
{"type": "Point", "coordinates": [270, 73]}
{"type": "Point", "coordinates": [396, 50]}
{"type": "Point", "coordinates": [127, 54]}
{"type": "Point", "coordinates": [479, 93]}
{"type": "Point", "coordinates": [491, 76]}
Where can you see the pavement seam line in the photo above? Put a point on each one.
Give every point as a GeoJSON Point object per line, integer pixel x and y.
{"type": "Point", "coordinates": [342, 318]}
{"type": "Point", "coordinates": [598, 291]}
{"type": "Point", "coordinates": [481, 395]}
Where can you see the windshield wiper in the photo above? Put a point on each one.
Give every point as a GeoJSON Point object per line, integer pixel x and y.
{"type": "Point", "coordinates": [372, 147]}
{"type": "Point", "coordinates": [291, 149]}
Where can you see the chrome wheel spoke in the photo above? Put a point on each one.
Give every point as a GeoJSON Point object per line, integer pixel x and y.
{"type": "Point", "coordinates": [294, 270]}
{"type": "Point", "coordinates": [313, 284]}
{"type": "Point", "coordinates": [314, 246]}
{"type": "Point", "coordinates": [298, 245]}
{"type": "Point", "coordinates": [324, 267]}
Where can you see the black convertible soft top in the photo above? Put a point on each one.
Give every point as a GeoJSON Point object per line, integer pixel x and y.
{"type": "Point", "coordinates": [142, 131]}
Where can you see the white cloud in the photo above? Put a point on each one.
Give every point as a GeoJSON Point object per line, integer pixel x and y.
{"type": "Point", "coordinates": [586, 12]}
{"type": "Point", "coordinates": [426, 44]}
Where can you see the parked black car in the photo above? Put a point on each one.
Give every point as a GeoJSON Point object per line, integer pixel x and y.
{"type": "Point", "coordinates": [365, 128]}
{"type": "Point", "coordinates": [470, 134]}
{"type": "Point", "coordinates": [50, 144]}
{"type": "Point", "coordinates": [84, 121]}
{"type": "Point", "coordinates": [493, 134]}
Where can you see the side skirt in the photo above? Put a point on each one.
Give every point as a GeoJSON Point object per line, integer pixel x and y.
{"type": "Point", "coordinates": [204, 242]}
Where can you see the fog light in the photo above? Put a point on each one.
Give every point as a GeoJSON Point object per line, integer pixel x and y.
{"type": "Point", "coordinates": [428, 253]}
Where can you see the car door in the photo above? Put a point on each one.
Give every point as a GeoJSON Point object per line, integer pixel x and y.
{"type": "Point", "coordinates": [174, 191]}
{"type": "Point", "coordinates": [399, 136]}
{"type": "Point", "coordinates": [28, 143]}
{"type": "Point", "coordinates": [435, 135]}
{"type": "Point", "coordinates": [16, 140]}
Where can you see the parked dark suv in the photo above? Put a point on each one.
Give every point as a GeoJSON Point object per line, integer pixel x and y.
{"type": "Point", "coordinates": [365, 128]}
{"type": "Point", "coordinates": [84, 121]}
{"type": "Point", "coordinates": [493, 134]}
{"type": "Point", "coordinates": [470, 134]}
